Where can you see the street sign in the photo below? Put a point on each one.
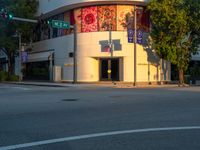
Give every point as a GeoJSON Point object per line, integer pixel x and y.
{"type": "Point", "coordinates": [60, 24]}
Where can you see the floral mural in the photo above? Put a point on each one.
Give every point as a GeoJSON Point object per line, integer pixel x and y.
{"type": "Point", "coordinates": [99, 18]}
{"type": "Point", "coordinates": [122, 11]}
{"type": "Point", "coordinates": [77, 19]}
{"type": "Point", "coordinates": [107, 17]}
{"type": "Point", "coordinates": [89, 19]}
{"type": "Point", "coordinates": [66, 19]}
{"type": "Point", "coordinates": [145, 21]}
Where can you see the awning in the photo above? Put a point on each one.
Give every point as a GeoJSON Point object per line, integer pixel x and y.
{"type": "Point", "coordinates": [41, 56]}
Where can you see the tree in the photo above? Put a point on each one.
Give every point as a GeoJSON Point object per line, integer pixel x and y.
{"type": "Point", "coordinates": [175, 31]}
{"type": "Point", "coordinates": [18, 8]}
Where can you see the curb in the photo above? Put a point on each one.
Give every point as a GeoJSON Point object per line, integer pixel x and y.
{"type": "Point", "coordinates": [37, 84]}
{"type": "Point", "coordinates": [46, 84]}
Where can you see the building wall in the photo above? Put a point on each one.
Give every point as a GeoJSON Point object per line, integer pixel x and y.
{"type": "Point", "coordinates": [89, 52]}
{"type": "Point", "coordinates": [93, 37]}
{"type": "Point", "coordinates": [197, 56]}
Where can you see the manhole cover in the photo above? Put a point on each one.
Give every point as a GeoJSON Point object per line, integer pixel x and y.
{"type": "Point", "coordinates": [69, 99]}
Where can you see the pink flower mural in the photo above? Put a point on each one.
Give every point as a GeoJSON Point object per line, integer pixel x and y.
{"type": "Point", "coordinates": [89, 19]}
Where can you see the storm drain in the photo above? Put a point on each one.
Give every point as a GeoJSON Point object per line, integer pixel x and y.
{"type": "Point", "coordinates": [70, 99]}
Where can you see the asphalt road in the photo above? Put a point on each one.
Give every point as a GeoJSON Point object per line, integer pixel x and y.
{"type": "Point", "coordinates": [97, 118]}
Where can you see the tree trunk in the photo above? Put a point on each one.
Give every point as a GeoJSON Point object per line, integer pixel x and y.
{"type": "Point", "coordinates": [10, 64]}
{"type": "Point", "coordinates": [181, 76]}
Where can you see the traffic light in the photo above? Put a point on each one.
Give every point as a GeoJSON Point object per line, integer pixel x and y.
{"type": "Point", "coordinates": [5, 15]}
{"type": "Point", "coordinates": [10, 16]}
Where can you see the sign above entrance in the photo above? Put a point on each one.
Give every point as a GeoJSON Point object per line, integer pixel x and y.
{"type": "Point", "coordinates": [60, 24]}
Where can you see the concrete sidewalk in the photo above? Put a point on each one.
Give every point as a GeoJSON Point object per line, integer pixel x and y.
{"type": "Point", "coordinates": [95, 84]}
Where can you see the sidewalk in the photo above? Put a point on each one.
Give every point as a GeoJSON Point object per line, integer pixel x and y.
{"type": "Point", "coordinates": [94, 84]}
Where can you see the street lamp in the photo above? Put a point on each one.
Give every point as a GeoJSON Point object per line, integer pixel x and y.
{"type": "Point", "coordinates": [135, 43]}
{"type": "Point", "coordinates": [75, 55]}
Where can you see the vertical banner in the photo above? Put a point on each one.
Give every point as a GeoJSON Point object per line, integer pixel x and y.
{"type": "Point", "coordinates": [122, 11]}
{"type": "Point", "coordinates": [130, 35]}
{"type": "Point", "coordinates": [24, 57]}
{"type": "Point", "coordinates": [89, 19]}
{"type": "Point", "coordinates": [139, 36]}
{"type": "Point", "coordinates": [107, 17]}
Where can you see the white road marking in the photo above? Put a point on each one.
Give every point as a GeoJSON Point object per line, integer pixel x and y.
{"type": "Point", "coordinates": [21, 88]}
{"type": "Point", "coordinates": [15, 87]}
{"type": "Point", "coordinates": [103, 134]}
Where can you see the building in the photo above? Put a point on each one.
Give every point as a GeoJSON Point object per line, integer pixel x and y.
{"type": "Point", "coordinates": [3, 60]}
{"type": "Point", "coordinates": [103, 51]}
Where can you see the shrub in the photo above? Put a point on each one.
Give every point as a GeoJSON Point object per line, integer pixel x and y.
{"type": "Point", "coordinates": [13, 78]}
{"type": "Point", "coordinates": [3, 76]}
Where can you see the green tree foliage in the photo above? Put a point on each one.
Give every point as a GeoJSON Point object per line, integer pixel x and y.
{"type": "Point", "coordinates": [8, 28]}
{"type": "Point", "coordinates": [175, 30]}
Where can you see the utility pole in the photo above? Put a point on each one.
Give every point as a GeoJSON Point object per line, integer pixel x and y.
{"type": "Point", "coordinates": [135, 46]}
{"type": "Point", "coordinates": [111, 51]}
{"type": "Point", "coordinates": [110, 39]}
{"type": "Point", "coordinates": [75, 54]}
{"type": "Point", "coordinates": [20, 63]}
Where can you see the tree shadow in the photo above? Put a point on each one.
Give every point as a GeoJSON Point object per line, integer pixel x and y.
{"type": "Point", "coordinates": [154, 59]}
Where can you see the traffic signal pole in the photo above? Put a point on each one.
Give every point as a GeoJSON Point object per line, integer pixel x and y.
{"type": "Point", "coordinates": [24, 20]}
{"type": "Point", "coordinates": [135, 46]}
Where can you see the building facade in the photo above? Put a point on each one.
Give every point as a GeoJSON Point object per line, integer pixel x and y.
{"type": "Point", "coordinates": [103, 51]}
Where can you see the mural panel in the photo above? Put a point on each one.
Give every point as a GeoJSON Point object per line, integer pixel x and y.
{"type": "Point", "coordinates": [122, 11]}
{"type": "Point", "coordinates": [66, 19]}
{"type": "Point", "coordinates": [89, 19]}
{"type": "Point", "coordinates": [77, 19]}
{"type": "Point", "coordinates": [107, 17]}
{"type": "Point", "coordinates": [145, 20]}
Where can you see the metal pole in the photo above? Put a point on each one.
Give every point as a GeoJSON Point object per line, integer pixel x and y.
{"type": "Point", "coordinates": [135, 45]}
{"type": "Point", "coordinates": [110, 39]}
{"type": "Point", "coordinates": [20, 65]}
{"type": "Point", "coordinates": [24, 20]}
{"type": "Point", "coordinates": [75, 55]}
{"type": "Point", "coordinates": [111, 51]}
{"type": "Point", "coordinates": [51, 67]}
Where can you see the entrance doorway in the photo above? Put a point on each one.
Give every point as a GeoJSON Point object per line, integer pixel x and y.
{"type": "Point", "coordinates": [109, 69]}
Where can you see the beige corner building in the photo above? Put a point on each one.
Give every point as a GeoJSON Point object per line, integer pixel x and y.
{"type": "Point", "coordinates": [103, 51]}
